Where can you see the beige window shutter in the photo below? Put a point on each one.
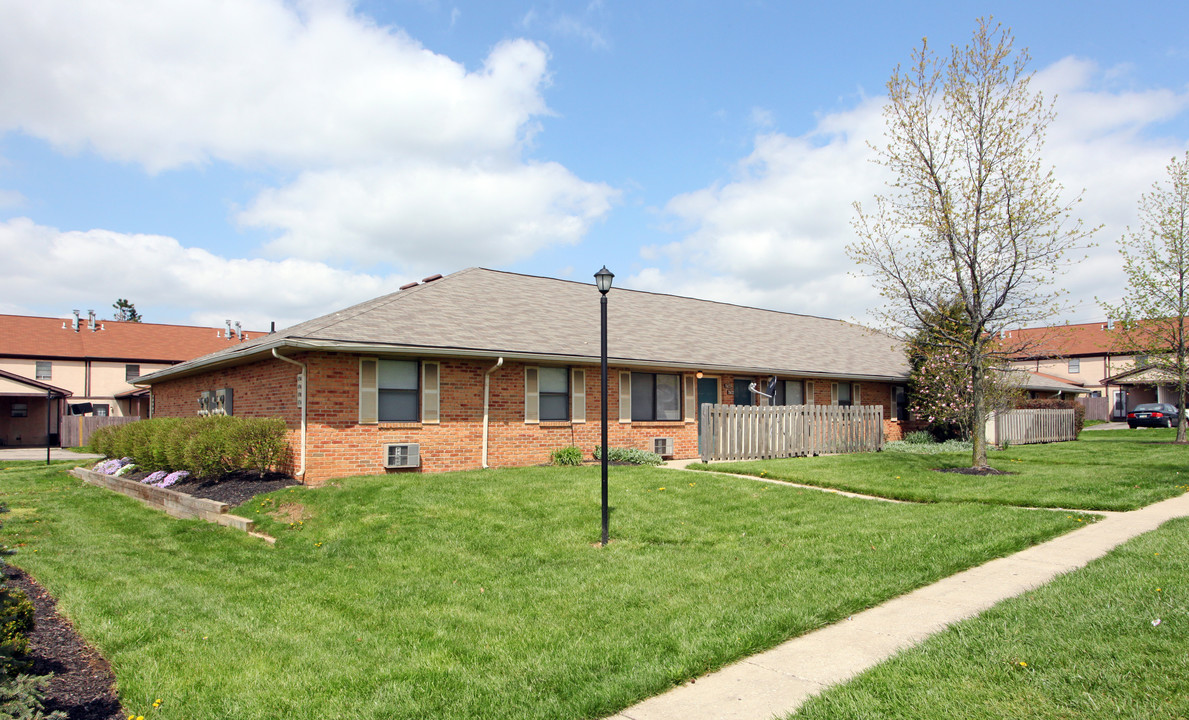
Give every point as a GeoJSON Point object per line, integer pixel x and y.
{"type": "Point", "coordinates": [833, 393]}
{"type": "Point", "coordinates": [578, 395]}
{"type": "Point", "coordinates": [431, 396]}
{"type": "Point", "coordinates": [809, 392]}
{"type": "Point", "coordinates": [625, 397]}
{"type": "Point", "coordinates": [691, 398]}
{"type": "Point", "coordinates": [369, 392]}
{"type": "Point", "coordinates": [532, 396]}
{"type": "Point", "coordinates": [892, 402]}
{"type": "Point", "coordinates": [854, 394]}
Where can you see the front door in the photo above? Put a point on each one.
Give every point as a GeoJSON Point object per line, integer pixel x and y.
{"type": "Point", "coordinates": [707, 395]}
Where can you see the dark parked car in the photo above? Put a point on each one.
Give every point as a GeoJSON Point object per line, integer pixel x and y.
{"type": "Point", "coordinates": [1153, 415]}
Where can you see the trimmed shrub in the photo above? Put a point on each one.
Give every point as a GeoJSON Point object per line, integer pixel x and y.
{"type": "Point", "coordinates": [630, 456]}
{"type": "Point", "coordinates": [202, 446]}
{"type": "Point", "coordinates": [1079, 410]}
{"type": "Point", "coordinates": [568, 455]}
{"type": "Point", "coordinates": [259, 443]}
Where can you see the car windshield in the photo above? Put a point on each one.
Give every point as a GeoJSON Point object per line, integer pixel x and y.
{"type": "Point", "coordinates": [1150, 407]}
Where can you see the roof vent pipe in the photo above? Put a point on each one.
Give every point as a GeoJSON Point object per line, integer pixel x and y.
{"type": "Point", "coordinates": [91, 320]}
{"type": "Point", "coordinates": [239, 330]}
{"type": "Point", "coordinates": [74, 323]}
{"type": "Point", "coordinates": [487, 403]}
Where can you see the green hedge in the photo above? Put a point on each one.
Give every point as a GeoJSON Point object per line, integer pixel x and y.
{"type": "Point", "coordinates": [203, 446]}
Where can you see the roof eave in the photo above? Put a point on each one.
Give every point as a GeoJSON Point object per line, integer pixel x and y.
{"type": "Point", "coordinates": [265, 349]}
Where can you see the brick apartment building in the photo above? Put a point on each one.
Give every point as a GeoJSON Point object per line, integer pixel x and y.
{"type": "Point", "coordinates": [485, 368]}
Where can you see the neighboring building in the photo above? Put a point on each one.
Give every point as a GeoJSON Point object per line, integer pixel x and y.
{"type": "Point", "coordinates": [1097, 358]}
{"type": "Point", "coordinates": [89, 362]}
{"type": "Point", "coordinates": [486, 368]}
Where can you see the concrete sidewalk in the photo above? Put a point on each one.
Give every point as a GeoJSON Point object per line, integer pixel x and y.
{"type": "Point", "coordinates": [39, 454]}
{"type": "Point", "coordinates": [778, 681]}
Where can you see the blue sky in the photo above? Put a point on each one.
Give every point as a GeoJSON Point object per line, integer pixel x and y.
{"type": "Point", "coordinates": [268, 161]}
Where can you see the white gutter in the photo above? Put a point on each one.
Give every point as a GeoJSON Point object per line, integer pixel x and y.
{"type": "Point", "coordinates": [301, 471]}
{"type": "Point", "coordinates": [486, 402]}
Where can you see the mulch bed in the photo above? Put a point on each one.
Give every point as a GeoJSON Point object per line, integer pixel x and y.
{"type": "Point", "coordinates": [975, 471]}
{"type": "Point", "coordinates": [234, 488]}
{"type": "Point", "coordinates": [83, 685]}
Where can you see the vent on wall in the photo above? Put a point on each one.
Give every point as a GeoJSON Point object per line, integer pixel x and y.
{"type": "Point", "coordinates": [402, 455]}
{"type": "Point", "coordinates": [663, 447]}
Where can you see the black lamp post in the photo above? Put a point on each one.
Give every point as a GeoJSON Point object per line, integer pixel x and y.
{"type": "Point", "coordinates": [603, 281]}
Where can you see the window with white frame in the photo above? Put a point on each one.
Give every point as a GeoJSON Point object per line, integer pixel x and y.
{"type": "Point", "coordinates": [398, 386]}
{"type": "Point", "coordinates": [845, 394]}
{"type": "Point", "coordinates": [44, 370]}
{"type": "Point", "coordinates": [131, 372]}
{"type": "Point", "coordinates": [554, 389]}
{"type": "Point", "coordinates": [655, 396]}
{"type": "Point", "coordinates": [1075, 365]}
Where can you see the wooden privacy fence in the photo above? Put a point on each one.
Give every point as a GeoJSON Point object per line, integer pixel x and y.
{"type": "Point", "coordinates": [77, 429]}
{"type": "Point", "coordinates": [750, 432]}
{"type": "Point", "coordinates": [1097, 408]}
{"type": "Point", "coordinates": [1026, 427]}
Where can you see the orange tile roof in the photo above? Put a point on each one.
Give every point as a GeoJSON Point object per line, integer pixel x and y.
{"type": "Point", "coordinates": [1068, 341]}
{"type": "Point", "coordinates": [40, 337]}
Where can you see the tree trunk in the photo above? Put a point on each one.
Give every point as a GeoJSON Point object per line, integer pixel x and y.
{"type": "Point", "coordinates": [1181, 413]}
{"type": "Point", "coordinates": [978, 430]}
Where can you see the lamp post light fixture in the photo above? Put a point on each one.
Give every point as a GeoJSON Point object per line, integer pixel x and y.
{"type": "Point", "coordinates": [603, 282]}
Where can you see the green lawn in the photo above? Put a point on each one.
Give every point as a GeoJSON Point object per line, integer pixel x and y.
{"type": "Point", "coordinates": [1083, 646]}
{"type": "Point", "coordinates": [1103, 470]}
{"type": "Point", "coordinates": [477, 594]}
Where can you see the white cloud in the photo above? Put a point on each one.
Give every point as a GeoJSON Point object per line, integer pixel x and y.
{"type": "Point", "coordinates": [774, 235]}
{"type": "Point", "coordinates": [409, 215]}
{"type": "Point", "coordinates": [11, 198]}
{"type": "Point", "coordinates": [163, 278]}
{"type": "Point", "coordinates": [388, 141]}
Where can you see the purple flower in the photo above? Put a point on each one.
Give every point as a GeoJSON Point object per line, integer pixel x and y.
{"type": "Point", "coordinates": [172, 478]}
{"type": "Point", "coordinates": [111, 467]}
{"type": "Point", "coordinates": [154, 478]}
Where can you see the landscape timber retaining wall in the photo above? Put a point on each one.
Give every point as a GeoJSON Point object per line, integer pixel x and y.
{"type": "Point", "coordinates": [179, 505]}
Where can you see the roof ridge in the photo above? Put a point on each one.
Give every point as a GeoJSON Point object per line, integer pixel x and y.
{"type": "Point", "coordinates": [671, 295]}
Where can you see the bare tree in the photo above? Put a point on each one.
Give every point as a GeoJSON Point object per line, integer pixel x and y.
{"type": "Point", "coordinates": [1156, 260]}
{"type": "Point", "coordinates": [971, 216]}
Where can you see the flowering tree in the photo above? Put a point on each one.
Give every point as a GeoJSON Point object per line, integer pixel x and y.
{"type": "Point", "coordinates": [1156, 261]}
{"type": "Point", "coordinates": [972, 218]}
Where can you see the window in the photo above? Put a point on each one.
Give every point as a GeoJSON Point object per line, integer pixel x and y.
{"type": "Point", "coordinates": [20, 410]}
{"type": "Point", "coordinates": [743, 394]}
{"type": "Point", "coordinates": [843, 393]}
{"type": "Point", "coordinates": [554, 388]}
{"type": "Point", "coordinates": [655, 396]}
{"type": "Point", "coordinates": [900, 403]}
{"type": "Point", "coordinates": [99, 410]}
{"type": "Point", "coordinates": [398, 390]}
{"type": "Point", "coordinates": [1141, 361]}
{"type": "Point", "coordinates": [789, 392]}
{"type": "Point", "coordinates": [45, 370]}
{"type": "Point", "coordinates": [1075, 365]}
{"type": "Point", "coordinates": [131, 372]}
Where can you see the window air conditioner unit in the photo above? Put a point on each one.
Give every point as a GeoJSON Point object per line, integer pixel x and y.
{"type": "Point", "coordinates": [402, 455]}
{"type": "Point", "coordinates": [663, 447]}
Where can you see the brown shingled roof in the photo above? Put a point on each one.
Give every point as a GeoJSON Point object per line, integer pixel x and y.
{"type": "Point", "coordinates": [53, 338]}
{"type": "Point", "coordinates": [489, 312]}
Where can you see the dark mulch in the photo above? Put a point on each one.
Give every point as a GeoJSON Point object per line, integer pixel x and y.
{"type": "Point", "coordinates": [234, 488]}
{"type": "Point", "coordinates": [975, 471]}
{"type": "Point", "coordinates": [83, 685]}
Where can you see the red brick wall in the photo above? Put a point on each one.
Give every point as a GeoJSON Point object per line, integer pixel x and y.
{"type": "Point", "coordinates": [338, 446]}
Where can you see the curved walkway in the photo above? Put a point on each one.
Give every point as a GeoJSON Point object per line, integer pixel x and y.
{"type": "Point", "coordinates": [777, 682]}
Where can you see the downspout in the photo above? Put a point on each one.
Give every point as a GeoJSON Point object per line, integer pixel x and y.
{"type": "Point", "coordinates": [486, 403]}
{"type": "Point", "coordinates": [301, 471]}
